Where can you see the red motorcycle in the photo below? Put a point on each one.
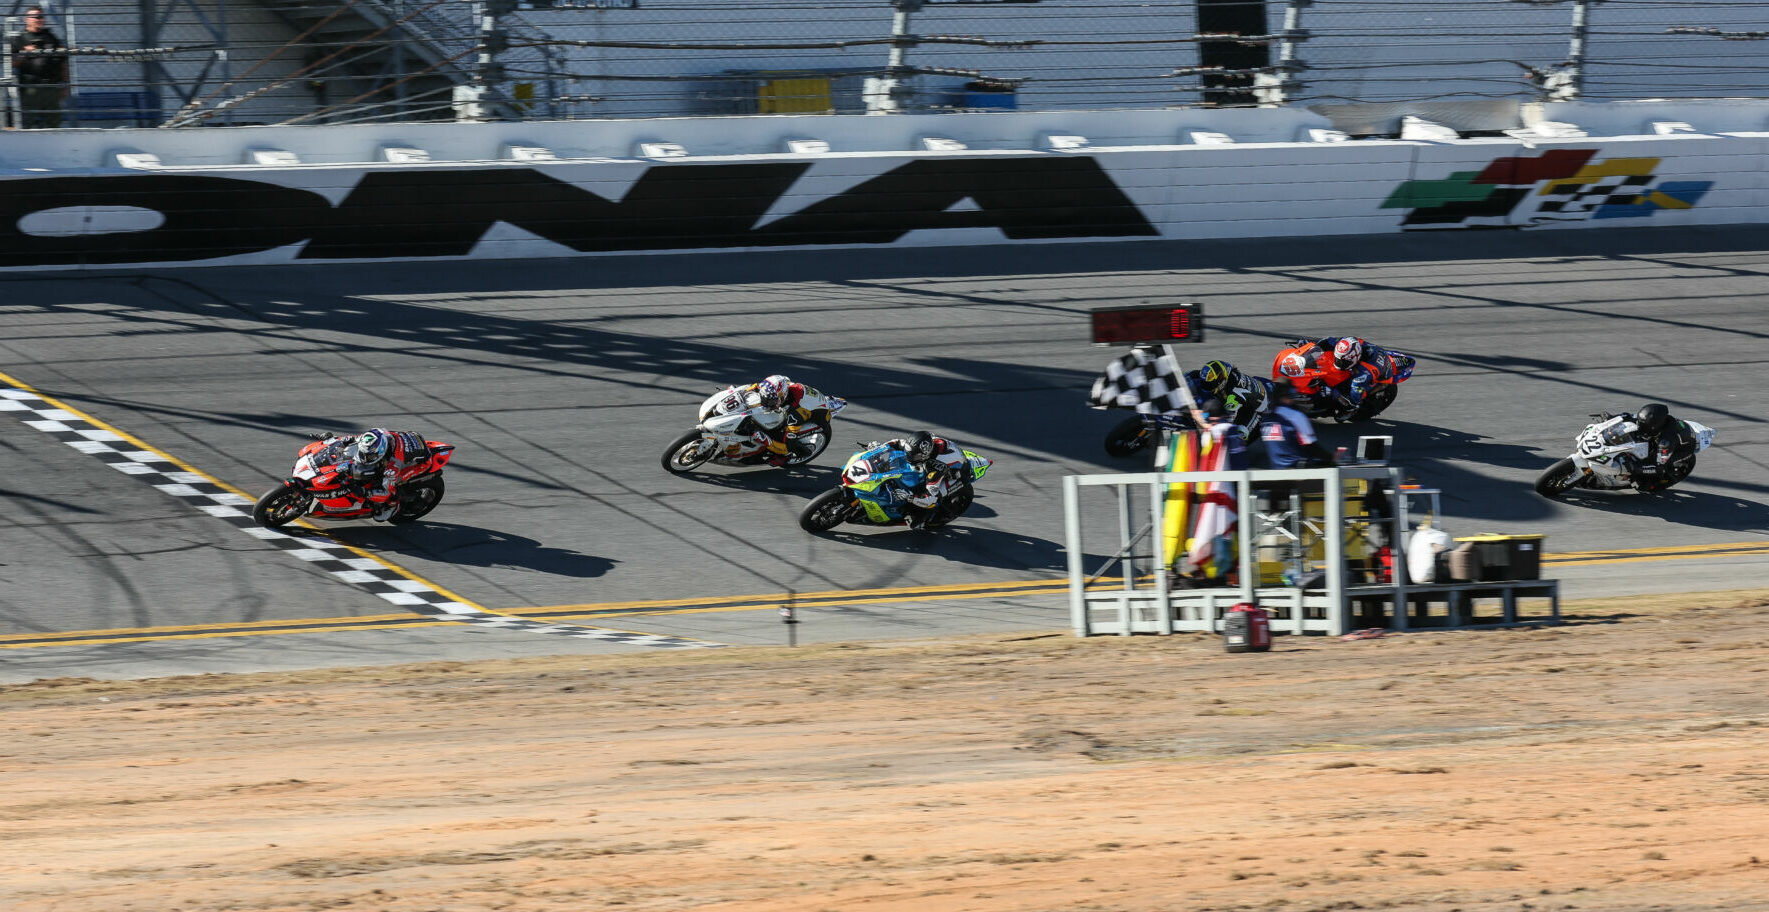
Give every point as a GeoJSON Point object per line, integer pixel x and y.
{"type": "Point", "coordinates": [320, 485]}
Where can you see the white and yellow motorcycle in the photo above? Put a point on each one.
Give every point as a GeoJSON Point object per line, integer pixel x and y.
{"type": "Point", "coordinates": [727, 434]}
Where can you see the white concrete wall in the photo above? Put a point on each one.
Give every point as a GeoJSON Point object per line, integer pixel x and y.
{"type": "Point", "coordinates": [66, 201]}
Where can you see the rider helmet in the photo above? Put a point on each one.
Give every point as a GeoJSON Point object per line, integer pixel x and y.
{"type": "Point", "coordinates": [921, 447]}
{"type": "Point", "coordinates": [369, 453]}
{"type": "Point", "coordinates": [1347, 352]}
{"type": "Point", "coordinates": [1292, 365]}
{"type": "Point", "coordinates": [1220, 377]}
{"type": "Point", "coordinates": [1652, 417]}
{"type": "Point", "coordinates": [772, 391]}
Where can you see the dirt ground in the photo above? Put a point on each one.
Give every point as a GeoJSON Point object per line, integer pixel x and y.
{"type": "Point", "coordinates": [1614, 763]}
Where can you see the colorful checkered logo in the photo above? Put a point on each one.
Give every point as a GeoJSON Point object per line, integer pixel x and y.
{"type": "Point", "coordinates": [1557, 186]}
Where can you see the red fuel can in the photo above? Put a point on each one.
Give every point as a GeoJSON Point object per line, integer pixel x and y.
{"type": "Point", "coordinates": [1247, 628]}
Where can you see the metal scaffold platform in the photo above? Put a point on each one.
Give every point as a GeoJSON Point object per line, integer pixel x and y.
{"type": "Point", "coordinates": [1326, 555]}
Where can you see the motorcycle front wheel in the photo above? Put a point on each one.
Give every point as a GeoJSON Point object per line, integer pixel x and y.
{"type": "Point", "coordinates": [1560, 478]}
{"type": "Point", "coordinates": [1126, 439]}
{"type": "Point", "coordinates": [689, 452]}
{"type": "Point", "coordinates": [418, 499]}
{"type": "Point", "coordinates": [280, 506]}
{"type": "Point", "coordinates": [825, 511]}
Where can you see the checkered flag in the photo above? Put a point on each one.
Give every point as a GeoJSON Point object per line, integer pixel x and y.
{"type": "Point", "coordinates": [1143, 380]}
{"type": "Point", "coordinates": [1568, 198]}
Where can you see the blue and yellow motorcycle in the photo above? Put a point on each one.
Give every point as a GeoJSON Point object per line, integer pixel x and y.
{"type": "Point", "coordinates": [876, 485]}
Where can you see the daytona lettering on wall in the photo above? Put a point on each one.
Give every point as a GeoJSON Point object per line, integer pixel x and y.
{"type": "Point", "coordinates": [393, 214]}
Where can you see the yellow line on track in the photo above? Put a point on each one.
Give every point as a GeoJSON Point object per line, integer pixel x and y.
{"type": "Point", "coordinates": [837, 598]}
{"type": "Point", "coordinates": [184, 466]}
{"type": "Point", "coordinates": [222, 628]}
{"type": "Point", "coordinates": [153, 635]}
{"type": "Point", "coordinates": [717, 604]}
{"type": "Point", "coordinates": [771, 602]}
{"type": "Point", "coordinates": [1722, 549]}
{"type": "Point", "coordinates": [804, 598]}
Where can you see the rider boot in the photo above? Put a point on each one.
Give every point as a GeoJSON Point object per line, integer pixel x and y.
{"type": "Point", "coordinates": [384, 509]}
{"type": "Point", "coordinates": [778, 452]}
{"type": "Point", "coordinates": [919, 510]}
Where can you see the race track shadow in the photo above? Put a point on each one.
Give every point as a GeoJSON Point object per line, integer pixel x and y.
{"type": "Point", "coordinates": [1682, 506]}
{"type": "Point", "coordinates": [1440, 457]}
{"type": "Point", "coordinates": [959, 543]}
{"type": "Point", "coordinates": [807, 479]}
{"type": "Point", "coordinates": [473, 546]}
{"type": "Point", "coordinates": [979, 511]}
{"type": "Point", "coordinates": [45, 501]}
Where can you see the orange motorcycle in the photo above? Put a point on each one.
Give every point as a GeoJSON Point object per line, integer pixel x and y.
{"type": "Point", "coordinates": [1310, 370]}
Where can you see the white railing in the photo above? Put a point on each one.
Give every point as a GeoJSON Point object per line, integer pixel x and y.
{"type": "Point", "coordinates": [1140, 599]}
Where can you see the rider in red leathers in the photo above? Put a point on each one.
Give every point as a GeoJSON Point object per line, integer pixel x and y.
{"type": "Point", "coordinates": [380, 460]}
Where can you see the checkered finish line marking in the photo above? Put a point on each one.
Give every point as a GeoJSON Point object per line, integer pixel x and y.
{"type": "Point", "coordinates": [344, 562]}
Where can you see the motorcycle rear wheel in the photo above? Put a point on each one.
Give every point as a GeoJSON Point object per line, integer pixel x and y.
{"type": "Point", "coordinates": [280, 506]}
{"type": "Point", "coordinates": [686, 454]}
{"type": "Point", "coordinates": [1677, 471]}
{"type": "Point", "coordinates": [1560, 478]}
{"type": "Point", "coordinates": [417, 500]}
{"type": "Point", "coordinates": [824, 433]}
{"type": "Point", "coordinates": [825, 511]}
{"type": "Point", "coordinates": [953, 508]}
{"type": "Point", "coordinates": [1127, 438]}
{"type": "Point", "coordinates": [1387, 392]}
{"type": "Point", "coordinates": [1378, 399]}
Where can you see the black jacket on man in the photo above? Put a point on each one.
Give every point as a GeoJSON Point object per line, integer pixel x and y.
{"type": "Point", "coordinates": [39, 69]}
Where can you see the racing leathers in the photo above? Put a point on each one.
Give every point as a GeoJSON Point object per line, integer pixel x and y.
{"type": "Point", "coordinates": [1672, 443]}
{"type": "Point", "coordinates": [406, 455]}
{"type": "Point", "coordinates": [798, 405]}
{"type": "Point", "coordinates": [942, 474]}
{"type": "Point", "coordinates": [1311, 368]}
{"type": "Point", "coordinates": [1247, 403]}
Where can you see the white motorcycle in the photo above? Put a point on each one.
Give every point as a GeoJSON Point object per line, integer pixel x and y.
{"type": "Point", "coordinates": [1597, 464]}
{"type": "Point", "coordinates": [726, 434]}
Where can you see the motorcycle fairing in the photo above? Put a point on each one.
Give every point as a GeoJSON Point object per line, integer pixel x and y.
{"type": "Point", "coordinates": [978, 464]}
{"type": "Point", "coordinates": [869, 476]}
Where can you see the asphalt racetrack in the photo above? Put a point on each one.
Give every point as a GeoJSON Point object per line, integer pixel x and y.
{"type": "Point", "coordinates": [561, 381]}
